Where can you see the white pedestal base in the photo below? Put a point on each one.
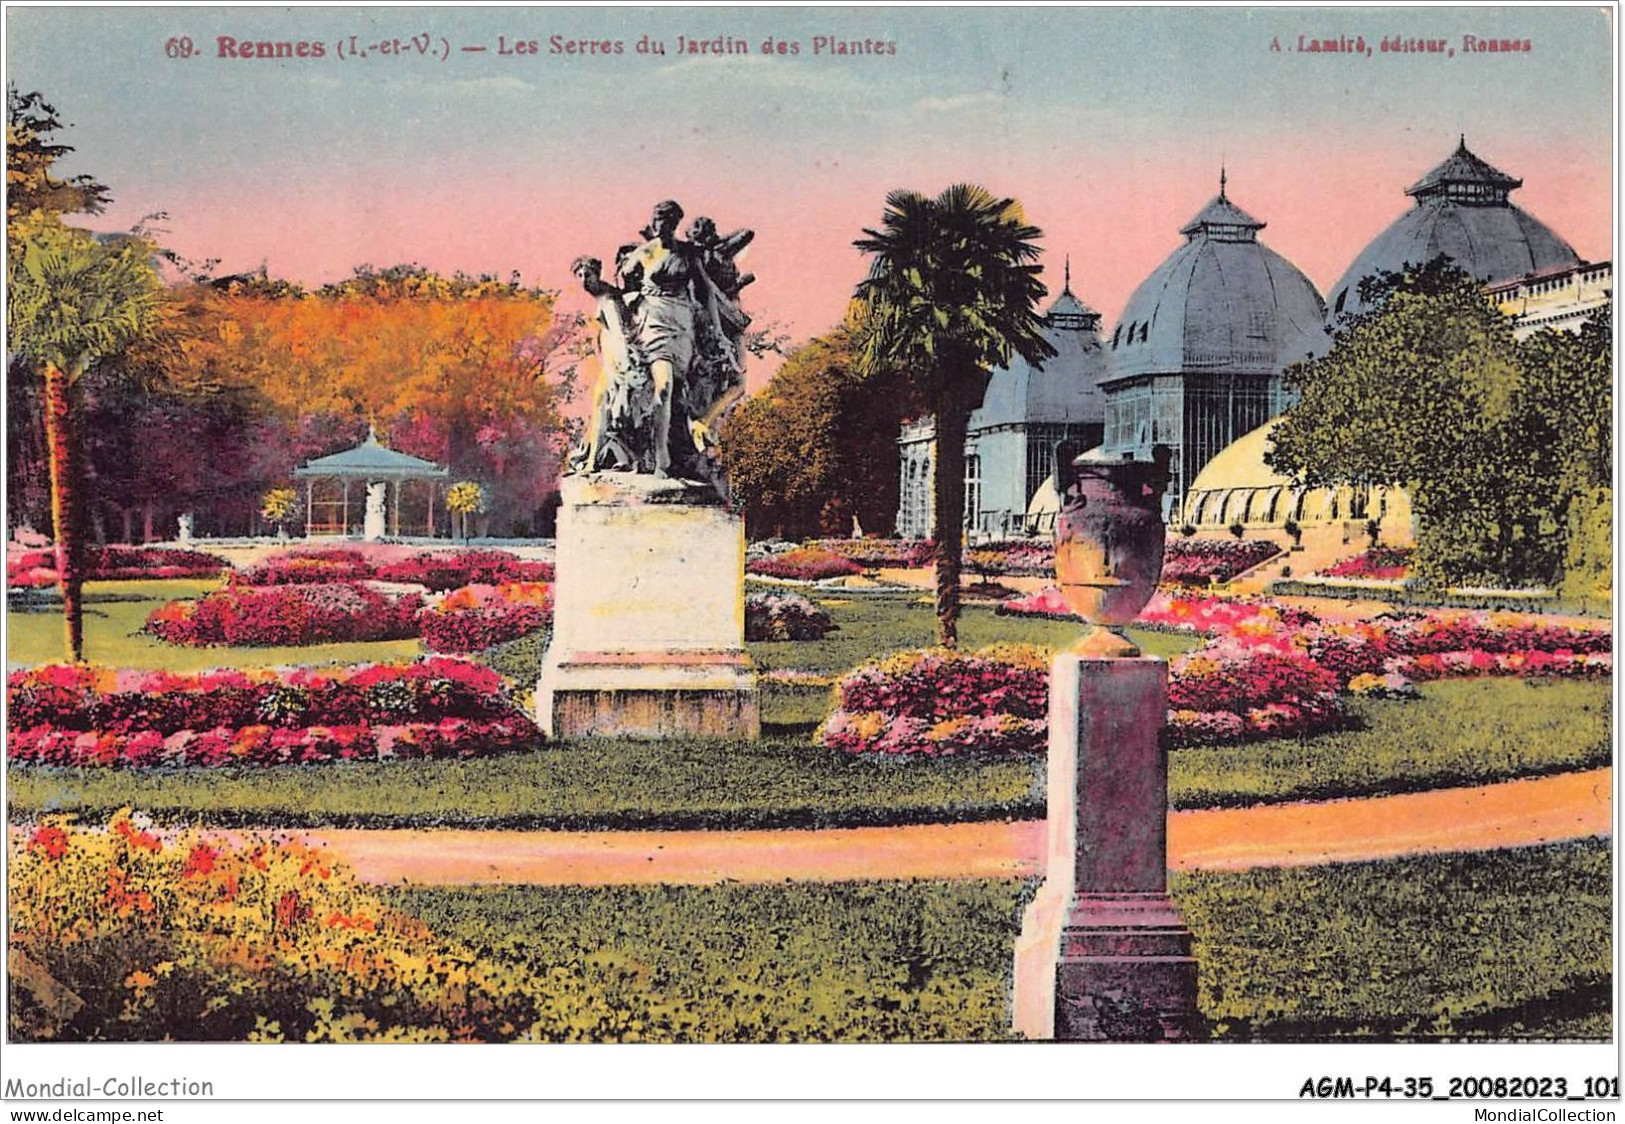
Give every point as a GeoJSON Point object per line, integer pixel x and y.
{"type": "Point", "coordinates": [648, 615]}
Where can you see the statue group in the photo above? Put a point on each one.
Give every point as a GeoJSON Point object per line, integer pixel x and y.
{"type": "Point", "coordinates": [671, 350]}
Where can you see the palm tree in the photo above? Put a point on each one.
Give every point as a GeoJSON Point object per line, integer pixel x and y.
{"type": "Point", "coordinates": [951, 294]}
{"type": "Point", "coordinates": [74, 301]}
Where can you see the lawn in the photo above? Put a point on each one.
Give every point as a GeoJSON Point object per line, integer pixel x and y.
{"type": "Point", "coordinates": [1459, 732]}
{"type": "Point", "coordinates": [116, 611]}
{"type": "Point", "coordinates": [1512, 944]}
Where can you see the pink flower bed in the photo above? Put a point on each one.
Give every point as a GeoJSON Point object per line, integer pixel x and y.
{"type": "Point", "coordinates": [1265, 671]}
{"type": "Point", "coordinates": [88, 716]}
{"type": "Point", "coordinates": [784, 616]}
{"type": "Point", "coordinates": [1201, 562]}
{"type": "Point", "coordinates": [1380, 563]}
{"type": "Point", "coordinates": [296, 614]}
{"type": "Point", "coordinates": [36, 569]}
{"type": "Point", "coordinates": [475, 617]}
{"type": "Point", "coordinates": [308, 567]}
{"type": "Point", "coordinates": [804, 564]}
{"type": "Point", "coordinates": [936, 702]}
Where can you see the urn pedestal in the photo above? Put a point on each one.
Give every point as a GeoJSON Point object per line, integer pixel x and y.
{"type": "Point", "coordinates": [1103, 955]}
{"type": "Point", "coordinates": [648, 614]}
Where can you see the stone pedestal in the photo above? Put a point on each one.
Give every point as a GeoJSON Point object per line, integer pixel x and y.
{"type": "Point", "coordinates": [1103, 956]}
{"type": "Point", "coordinates": [648, 614]}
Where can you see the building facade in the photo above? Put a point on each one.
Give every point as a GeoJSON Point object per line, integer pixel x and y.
{"type": "Point", "coordinates": [1010, 447]}
{"type": "Point", "coordinates": [1198, 354]}
{"type": "Point", "coordinates": [1559, 299]}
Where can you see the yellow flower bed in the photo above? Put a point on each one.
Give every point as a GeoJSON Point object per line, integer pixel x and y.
{"type": "Point", "coordinates": [127, 934]}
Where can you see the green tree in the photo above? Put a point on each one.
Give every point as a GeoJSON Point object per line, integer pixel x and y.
{"type": "Point", "coordinates": [31, 152]}
{"type": "Point", "coordinates": [74, 301]}
{"type": "Point", "coordinates": [817, 447]}
{"type": "Point", "coordinates": [951, 295]}
{"type": "Point", "coordinates": [1493, 438]}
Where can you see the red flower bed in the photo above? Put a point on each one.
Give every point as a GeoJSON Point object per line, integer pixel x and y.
{"type": "Point", "coordinates": [478, 616]}
{"type": "Point", "coordinates": [287, 615]}
{"type": "Point", "coordinates": [1380, 563]}
{"type": "Point", "coordinates": [86, 716]}
{"type": "Point", "coordinates": [37, 568]}
{"type": "Point", "coordinates": [455, 569]}
{"type": "Point", "coordinates": [439, 571]}
{"type": "Point", "coordinates": [805, 564]}
{"type": "Point", "coordinates": [1201, 562]}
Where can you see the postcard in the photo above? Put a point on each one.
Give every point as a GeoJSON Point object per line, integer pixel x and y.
{"type": "Point", "coordinates": [1001, 540]}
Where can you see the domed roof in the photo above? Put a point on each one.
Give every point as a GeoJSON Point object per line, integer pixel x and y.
{"type": "Point", "coordinates": [1223, 303]}
{"type": "Point", "coordinates": [1067, 389]}
{"type": "Point", "coordinates": [1240, 464]}
{"type": "Point", "coordinates": [1463, 212]}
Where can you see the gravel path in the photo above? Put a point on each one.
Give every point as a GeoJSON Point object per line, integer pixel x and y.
{"type": "Point", "coordinates": [1509, 814]}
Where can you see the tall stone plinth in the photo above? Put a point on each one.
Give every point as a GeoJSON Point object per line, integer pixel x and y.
{"type": "Point", "coordinates": [1103, 955]}
{"type": "Point", "coordinates": [648, 614]}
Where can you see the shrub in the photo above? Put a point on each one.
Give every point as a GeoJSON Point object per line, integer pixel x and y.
{"type": "Point", "coordinates": [477, 617]}
{"type": "Point", "coordinates": [804, 564]}
{"type": "Point", "coordinates": [244, 616]}
{"type": "Point", "coordinates": [784, 616]}
{"type": "Point", "coordinates": [193, 936]}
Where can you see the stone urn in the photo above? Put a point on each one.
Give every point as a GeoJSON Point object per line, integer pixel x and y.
{"type": "Point", "coordinates": [1108, 542]}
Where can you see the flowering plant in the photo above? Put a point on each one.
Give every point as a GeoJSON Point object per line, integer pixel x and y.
{"type": "Point", "coordinates": [307, 567]}
{"type": "Point", "coordinates": [269, 616]}
{"type": "Point", "coordinates": [1013, 558]}
{"type": "Point", "coordinates": [909, 554]}
{"type": "Point", "coordinates": [37, 568]}
{"type": "Point", "coordinates": [1207, 561]}
{"type": "Point", "coordinates": [804, 564]}
{"type": "Point", "coordinates": [81, 715]}
{"type": "Point", "coordinates": [784, 616]}
{"type": "Point", "coordinates": [446, 570]}
{"type": "Point", "coordinates": [475, 617]}
{"type": "Point", "coordinates": [155, 934]}
{"type": "Point", "coordinates": [1380, 563]}
{"type": "Point", "coordinates": [938, 702]}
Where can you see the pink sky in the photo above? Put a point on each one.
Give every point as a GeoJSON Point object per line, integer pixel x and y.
{"type": "Point", "coordinates": [1117, 219]}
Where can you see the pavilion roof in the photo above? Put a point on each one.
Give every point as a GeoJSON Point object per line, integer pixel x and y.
{"type": "Point", "coordinates": [371, 459]}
